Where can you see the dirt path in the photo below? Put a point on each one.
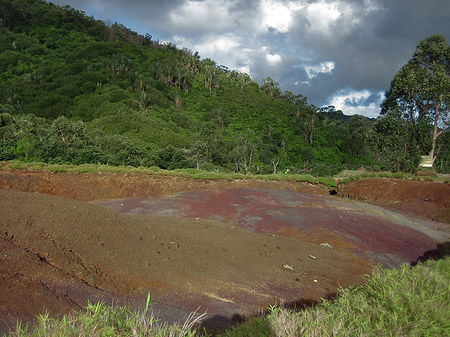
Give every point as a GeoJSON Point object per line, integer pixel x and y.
{"type": "Point", "coordinates": [57, 252]}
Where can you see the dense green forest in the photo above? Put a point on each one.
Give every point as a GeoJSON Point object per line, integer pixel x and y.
{"type": "Point", "coordinates": [74, 90]}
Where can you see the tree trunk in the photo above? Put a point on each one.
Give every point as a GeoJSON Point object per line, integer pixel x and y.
{"type": "Point", "coordinates": [275, 163]}
{"type": "Point", "coordinates": [435, 132]}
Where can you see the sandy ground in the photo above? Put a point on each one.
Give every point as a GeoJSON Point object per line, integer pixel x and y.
{"type": "Point", "coordinates": [57, 251]}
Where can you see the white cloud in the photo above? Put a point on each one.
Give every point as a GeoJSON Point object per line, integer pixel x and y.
{"type": "Point", "coordinates": [356, 102]}
{"type": "Point", "coordinates": [335, 19]}
{"type": "Point", "coordinates": [322, 14]}
{"type": "Point", "coordinates": [225, 49]}
{"type": "Point", "coordinates": [218, 44]}
{"type": "Point", "coordinates": [179, 40]}
{"type": "Point", "coordinates": [245, 69]}
{"type": "Point", "coordinates": [278, 15]}
{"type": "Point", "coordinates": [324, 67]}
{"type": "Point", "coordinates": [203, 15]}
{"type": "Point", "coordinates": [273, 58]}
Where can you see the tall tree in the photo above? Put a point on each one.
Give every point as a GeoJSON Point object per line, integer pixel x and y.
{"type": "Point", "coordinates": [392, 141]}
{"type": "Point", "coordinates": [433, 56]}
{"type": "Point", "coordinates": [421, 90]}
{"type": "Point", "coordinates": [271, 87]}
{"type": "Point", "coordinates": [244, 150]}
{"type": "Point", "coordinates": [355, 135]}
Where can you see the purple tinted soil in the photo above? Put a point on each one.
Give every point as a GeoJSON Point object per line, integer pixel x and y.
{"type": "Point", "coordinates": [365, 230]}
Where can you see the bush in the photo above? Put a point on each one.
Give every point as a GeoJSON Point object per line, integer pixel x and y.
{"type": "Point", "coordinates": [325, 171]}
{"type": "Point", "coordinates": [170, 158]}
{"type": "Point", "coordinates": [399, 175]}
{"type": "Point", "coordinates": [7, 150]}
{"type": "Point", "coordinates": [90, 154]}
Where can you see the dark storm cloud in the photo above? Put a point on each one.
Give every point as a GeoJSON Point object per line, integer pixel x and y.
{"type": "Point", "coordinates": [144, 16]}
{"type": "Point", "coordinates": [373, 98]}
{"type": "Point", "coordinates": [369, 53]}
{"type": "Point", "coordinates": [341, 51]}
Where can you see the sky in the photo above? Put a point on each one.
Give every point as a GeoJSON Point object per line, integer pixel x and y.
{"type": "Point", "coordinates": [335, 52]}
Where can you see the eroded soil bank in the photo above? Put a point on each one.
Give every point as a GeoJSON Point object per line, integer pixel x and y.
{"type": "Point", "coordinates": [428, 200]}
{"type": "Point", "coordinates": [57, 252]}
{"type": "Point", "coordinates": [98, 186]}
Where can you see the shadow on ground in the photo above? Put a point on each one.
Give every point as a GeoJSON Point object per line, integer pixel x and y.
{"type": "Point", "coordinates": [441, 251]}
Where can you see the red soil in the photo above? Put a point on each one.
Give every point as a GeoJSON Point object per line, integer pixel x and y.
{"type": "Point", "coordinates": [428, 200]}
{"type": "Point", "coordinates": [57, 252]}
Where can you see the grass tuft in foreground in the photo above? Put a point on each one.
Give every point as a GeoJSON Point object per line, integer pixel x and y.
{"type": "Point", "coordinates": [407, 301]}
{"type": "Point", "coordinates": [101, 320]}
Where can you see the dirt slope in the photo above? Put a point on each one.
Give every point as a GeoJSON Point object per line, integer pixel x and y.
{"type": "Point", "coordinates": [364, 230]}
{"type": "Point", "coordinates": [429, 200]}
{"type": "Point", "coordinates": [98, 186]}
{"type": "Point", "coordinates": [57, 252]}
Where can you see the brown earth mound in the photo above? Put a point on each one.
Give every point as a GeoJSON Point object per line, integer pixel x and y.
{"type": "Point", "coordinates": [428, 200]}
{"type": "Point", "coordinates": [98, 186]}
{"type": "Point", "coordinates": [57, 253]}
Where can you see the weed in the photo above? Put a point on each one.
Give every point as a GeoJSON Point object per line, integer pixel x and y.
{"type": "Point", "coordinates": [407, 301]}
{"type": "Point", "coordinates": [187, 173]}
{"type": "Point", "coordinates": [398, 175]}
{"type": "Point", "coordinates": [101, 320]}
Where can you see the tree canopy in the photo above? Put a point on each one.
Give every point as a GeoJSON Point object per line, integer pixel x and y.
{"type": "Point", "coordinates": [75, 90]}
{"type": "Point", "coordinates": [420, 94]}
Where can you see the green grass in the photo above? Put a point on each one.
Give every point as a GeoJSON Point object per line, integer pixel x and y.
{"type": "Point", "coordinates": [406, 301]}
{"type": "Point", "coordinates": [100, 320]}
{"type": "Point", "coordinates": [330, 182]}
{"type": "Point", "coordinates": [352, 175]}
{"type": "Point", "coordinates": [186, 173]}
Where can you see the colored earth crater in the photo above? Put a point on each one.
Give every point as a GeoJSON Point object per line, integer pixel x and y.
{"type": "Point", "coordinates": [367, 231]}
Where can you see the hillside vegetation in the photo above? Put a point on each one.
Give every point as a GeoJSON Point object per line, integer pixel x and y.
{"type": "Point", "coordinates": [74, 90]}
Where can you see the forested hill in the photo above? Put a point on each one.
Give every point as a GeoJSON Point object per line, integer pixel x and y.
{"type": "Point", "coordinates": [74, 90]}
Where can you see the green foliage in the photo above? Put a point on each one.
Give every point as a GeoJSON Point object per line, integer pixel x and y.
{"type": "Point", "coordinates": [102, 320]}
{"type": "Point", "coordinates": [349, 175]}
{"type": "Point", "coordinates": [419, 99]}
{"type": "Point", "coordinates": [442, 161]}
{"type": "Point", "coordinates": [142, 103]}
{"type": "Point", "coordinates": [394, 143]}
{"type": "Point", "coordinates": [325, 170]}
{"type": "Point", "coordinates": [407, 301]}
